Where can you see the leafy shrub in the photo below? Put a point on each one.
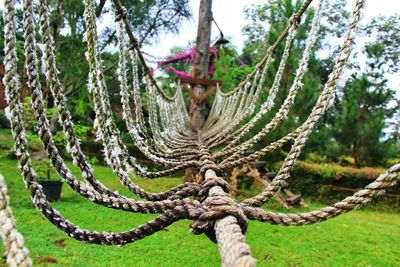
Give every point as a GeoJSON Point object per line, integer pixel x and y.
{"type": "Point", "coordinates": [44, 170]}
{"type": "Point", "coordinates": [307, 177]}
{"type": "Point", "coordinates": [93, 160]}
{"type": "Point", "coordinates": [316, 158]}
{"type": "Point", "coordinates": [81, 131]}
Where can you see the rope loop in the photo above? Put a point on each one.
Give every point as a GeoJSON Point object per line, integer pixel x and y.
{"type": "Point", "coordinates": [221, 206]}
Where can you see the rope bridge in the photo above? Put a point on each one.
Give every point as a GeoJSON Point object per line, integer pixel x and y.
{"type": "Point", "coordinates": [167, 139]}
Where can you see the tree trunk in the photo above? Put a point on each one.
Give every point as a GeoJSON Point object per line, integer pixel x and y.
{"type": "Point", "coordinates": [355, 155]}
{"type": "Point", "coordinates": [201, 63]}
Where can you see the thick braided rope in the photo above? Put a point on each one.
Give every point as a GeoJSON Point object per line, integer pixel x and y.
{"type": "Point", "coordinates": [133, 129]}
{"type": "Point", "coordinates": [219, 133]}
{"type": "Point", "coordinates": [260, 153]}
{"type": "Point", "coordinates": [283, 111]}
{"type": "Point", "coordinates": [273, 91]}
{"type": "Point", "coordinates": [104, 123]}
{"type": "Point", "coordinates": [225, 221]}
{"type": "Point", "coordinates": [36, 193]}
{"type": "Point", "coordinates": [281, 115]}
{"type": "Point", "coordinates": [17, 123]}
{"type": "Point", "coordinates": [134, 43]}
{"type": "Point", "coordinates": [218, 140]}
{"type": "Point", "coordinates": [229, 225]}
{"type": "Point", "coordinates": [221, 206]}
{"type": "Point", "coordinates": [247, 99]}
{"type": "Point", "coordinates": [11, 84]}
{"type": "Point", "coordinates": [121, 13]}
{"type": "Point", "coordinates": [51, 73]}
{"type": "Point", "coordinates": [171, 128]}
{"type": "Point", "coordinates": [139, 116]}
{"type": "Point", "coordinates": [232, 247]}
{"type": "Point", "coordinates": [295, 20]}
{"type": "Point", "coordinates": [127, 113]}
{"type": "Point", "coordinates": [174, 125]}
{"type": "Point", "coordinates": [359, 199]}
{"type": "Point", "coordinates": [323, 103]}
{"type": "Point", "coordinates": [73, 144]}
{"type": "Point", "coordinates": [16, 252]}
{"type": "Point", "coordinates": [243, 106]}
{"type": "Point", "coordinates": [115, 151]}
{"type": "Point", "coordinates": [46, 137]}
{"type": "Point", "coordinates": [168, 121]}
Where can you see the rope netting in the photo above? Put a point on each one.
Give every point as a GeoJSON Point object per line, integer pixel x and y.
{"type": "Point", "coordinates": [166, 138]}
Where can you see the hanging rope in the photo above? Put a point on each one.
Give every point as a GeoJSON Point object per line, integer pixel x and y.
{"type": "Point", "coordinates": [166, 138]}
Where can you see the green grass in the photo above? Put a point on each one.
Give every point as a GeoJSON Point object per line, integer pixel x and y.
{"type": "Point", "coordinates": [360, 238]}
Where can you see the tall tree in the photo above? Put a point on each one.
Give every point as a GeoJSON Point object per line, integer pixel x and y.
{"type": "Point", "coordinates": [368, 102]}
{"type": "Point", "coordinates": [267, 22]}
{"type": "Point", "coordinates": [201, 63]}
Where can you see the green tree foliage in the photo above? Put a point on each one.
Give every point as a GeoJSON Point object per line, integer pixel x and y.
{"type": "Point", "coordinates": [356, 125]}
{"type": "Point", "coordinates": [384, 50]}
{"type": "Point", "coordinates": [152, 17]}
{"type": "Point", "coordinates": [359, 121]}
{"type": "Point", "coordinates": [148, 18]}
{"type": "Point", "coordinates": [267, 22]}
{"type": "Point", "coordinates": [367, 102]}
{"type": "Point", "coordinates": [230, 68]}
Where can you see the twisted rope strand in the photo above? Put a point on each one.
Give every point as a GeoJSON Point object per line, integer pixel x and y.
{"type": "Point", "coordinates": [17, 125]}
{"type": "Point", "coordinates": [43, 123]}
{"type": "Point", "coordinates": [322, 105]}
{"type": "Point", "coordinates": [359, 199]}
{"type": "Point", "coordinates": [169, 140]}
{"type": "Point", "coordinates": [281, 115]}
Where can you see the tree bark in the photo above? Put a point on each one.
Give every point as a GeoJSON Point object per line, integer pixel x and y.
{"type": "Point", "coordinates": [201, 63]}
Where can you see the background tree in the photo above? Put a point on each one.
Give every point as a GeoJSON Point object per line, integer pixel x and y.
{"type": "Point", "coordinates": [267, 22]}
{"type": "Point", "coordinates": [149, 18]}
{"type": "Point", "coordinates": [356, 125]}
{"type": "Point", "coordinates": [368, 102]}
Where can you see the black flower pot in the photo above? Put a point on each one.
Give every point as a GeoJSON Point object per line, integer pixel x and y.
{"type": "Point", "coordinates": [52, 189]}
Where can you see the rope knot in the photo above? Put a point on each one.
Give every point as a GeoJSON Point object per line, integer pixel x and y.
{"type": "Point", "coordinates": [221, 206]}
{"type": "Point", "coordinates": [210, 165]}
{"type": "Point", "coordinates": [216, 181]}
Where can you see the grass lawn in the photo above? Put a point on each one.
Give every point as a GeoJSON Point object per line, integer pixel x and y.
{"type": "Point", "coordinates": [360, 238]}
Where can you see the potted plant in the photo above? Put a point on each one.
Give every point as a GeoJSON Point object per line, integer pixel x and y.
{"type": "Point", "coordinates": [50, 183]}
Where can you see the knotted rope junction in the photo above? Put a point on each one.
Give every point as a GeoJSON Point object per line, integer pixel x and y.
{"type": "Point", "coordinates": [166, 138]}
